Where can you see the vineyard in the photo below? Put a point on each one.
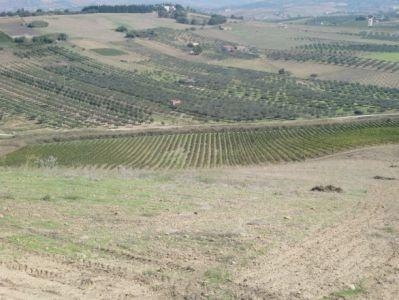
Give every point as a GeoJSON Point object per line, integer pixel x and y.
{"type": "Point", "coordinates": [211, 149]}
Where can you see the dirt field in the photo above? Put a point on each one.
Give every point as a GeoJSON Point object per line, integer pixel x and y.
{"type": "Point", "coordinates": [242, 232]}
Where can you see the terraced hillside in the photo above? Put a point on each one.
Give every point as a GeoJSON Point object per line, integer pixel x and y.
{"type": "Point", "coordinates": [210, 149]}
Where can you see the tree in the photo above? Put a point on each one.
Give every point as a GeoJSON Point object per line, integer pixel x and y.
{"type": "Point", "coordinates": [62, 37]}
{"type": "Point", "coordinates": [197, 50]}
{"type": "Point", "coordinates": [20, 40]}
{"type": "Point", "coordinates": [182, 20]}
{"type": "Point", "coordinates": [217, 19]}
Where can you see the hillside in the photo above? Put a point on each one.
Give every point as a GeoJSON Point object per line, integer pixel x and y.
{"type": "Point", "coordinates": [352, 5]}
{"type": "Point", "coordinates": [219, 233]}
{"type": "Point", "coordinates": [105, 79]}
{"type": "Point", "coordinates": [152, 152]}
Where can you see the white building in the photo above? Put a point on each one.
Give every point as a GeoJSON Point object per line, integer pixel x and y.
{"type": "Point", "coordinates": [170, 8]}
{"type": "Point", "coordinates": [371, 21]}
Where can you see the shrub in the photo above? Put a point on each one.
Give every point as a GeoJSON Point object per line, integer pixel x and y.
{"type": "Point", "coordinates": [49, 38]}
{"type": "Point", "coordinates": [121, 29]}
{"type": "Point", "coordinates": [20, 40]}
{"type": "Point", "coordinates": [48, 162]}
{"type": "Point", "coordinates": [46, 198]}
{"type": "Point", "coordinates": [197, 50]}
{"type": "Point", "coordinates": [38, 24]}
{"type": "Point", "coordinates": [217, 19]}
{"type": "Point", "coordinates": [327, 188]}
{"type": "Point", "coordinates": [140, 34]}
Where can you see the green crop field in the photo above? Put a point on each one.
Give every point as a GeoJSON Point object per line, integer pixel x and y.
{"type": "Point", "coordinates": [108, 51]}
{"type": "Point", "coordinates": [211, 149]}
{"type": "Point", "coordinates": [394, 56]}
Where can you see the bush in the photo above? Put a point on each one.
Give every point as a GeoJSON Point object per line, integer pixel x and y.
{"type": "Point", "coordinates": [327, 188]}
{"type": "Point", "coordinates": [38, 24]}
{"type": "Point", "coordinates": [121, 29]}
{"type": "Point", "coordinates": [48, 162]}
{"type": "Point", "coordinates": [182, 20]}
{"type": "Point", "coordinates": [20, 40]}
{"type": "Point", "coordinates": [46, 198]}
{"type": "Point", "coordinates": [49, 38]}
{"type": "Point", "coordinates": [197, 50]}
{"type": "Point", "coordinates": [217, 19]}
{"type": "Point", "coordinates": [140, 34]}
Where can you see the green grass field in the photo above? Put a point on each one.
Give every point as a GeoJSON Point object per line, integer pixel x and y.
{"type": "Point", "coordinates": [212, 149]}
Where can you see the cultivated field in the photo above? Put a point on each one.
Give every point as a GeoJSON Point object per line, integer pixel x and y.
{"type": "Point", "coordinates": [273, 42]}
{"type": "Point", "coordinates": [228, 233]}
{"type": "Point", "coordinates": [232, 147]}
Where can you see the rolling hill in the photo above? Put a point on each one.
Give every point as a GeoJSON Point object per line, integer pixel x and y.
{"type": "Point", "coordinates": [352, 5]}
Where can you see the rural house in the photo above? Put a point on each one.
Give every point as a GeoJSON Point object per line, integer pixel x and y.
{"type": "Point", "coordinates": [175, 102]}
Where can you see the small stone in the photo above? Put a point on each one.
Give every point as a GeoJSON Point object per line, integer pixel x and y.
{"type": "Point", "coordinates": [287, 218]}
{"type": "Point", "coordinates": [1, 216]}
{"type": "Point", "coordinates": [352, 287]}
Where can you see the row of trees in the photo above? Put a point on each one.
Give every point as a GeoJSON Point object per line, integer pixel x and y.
{"type": "Point", "coordinates": [26, 13]}
{"type": "Point", "coordinates": [328, 47]}
{"type": "Point", "coordinates": [344, 58]}
{"type": "Point", "coordinates": [42, 39]}
{"type": "Point", "coordinates": [142, 8]}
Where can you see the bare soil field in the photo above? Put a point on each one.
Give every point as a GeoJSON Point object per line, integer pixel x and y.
{"type": "Point", "coordinates": [14, 26]}
{"type": "Point", "coordinates": [258, 233]}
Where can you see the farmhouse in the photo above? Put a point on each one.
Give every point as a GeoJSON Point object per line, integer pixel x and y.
{"type": "Point", "coordinates": [192, 44]}
{"type": "Point", "coordinates": [228, 48]}
{"type": "Point", "coordinates": [370, 21]}
{"type": "Point", "coordinates": [169, 8]}
{"type": "Point", "coordinates": [221, 27]}
{"type": "Point", "coordinates": [175, 102]}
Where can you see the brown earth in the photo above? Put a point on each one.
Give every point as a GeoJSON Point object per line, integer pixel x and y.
{"type": "Point", "coordinates": [249, 233]}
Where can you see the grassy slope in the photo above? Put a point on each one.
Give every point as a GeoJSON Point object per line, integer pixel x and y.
{"type": "Point", "coordinates": [4, 39]}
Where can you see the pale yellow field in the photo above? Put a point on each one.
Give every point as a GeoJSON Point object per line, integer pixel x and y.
{"type": "Point", "coordinates": [101, 27]}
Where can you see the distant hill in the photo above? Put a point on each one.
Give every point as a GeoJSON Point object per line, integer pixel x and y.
{"type": "Point", "coordinates": [7, 5]}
